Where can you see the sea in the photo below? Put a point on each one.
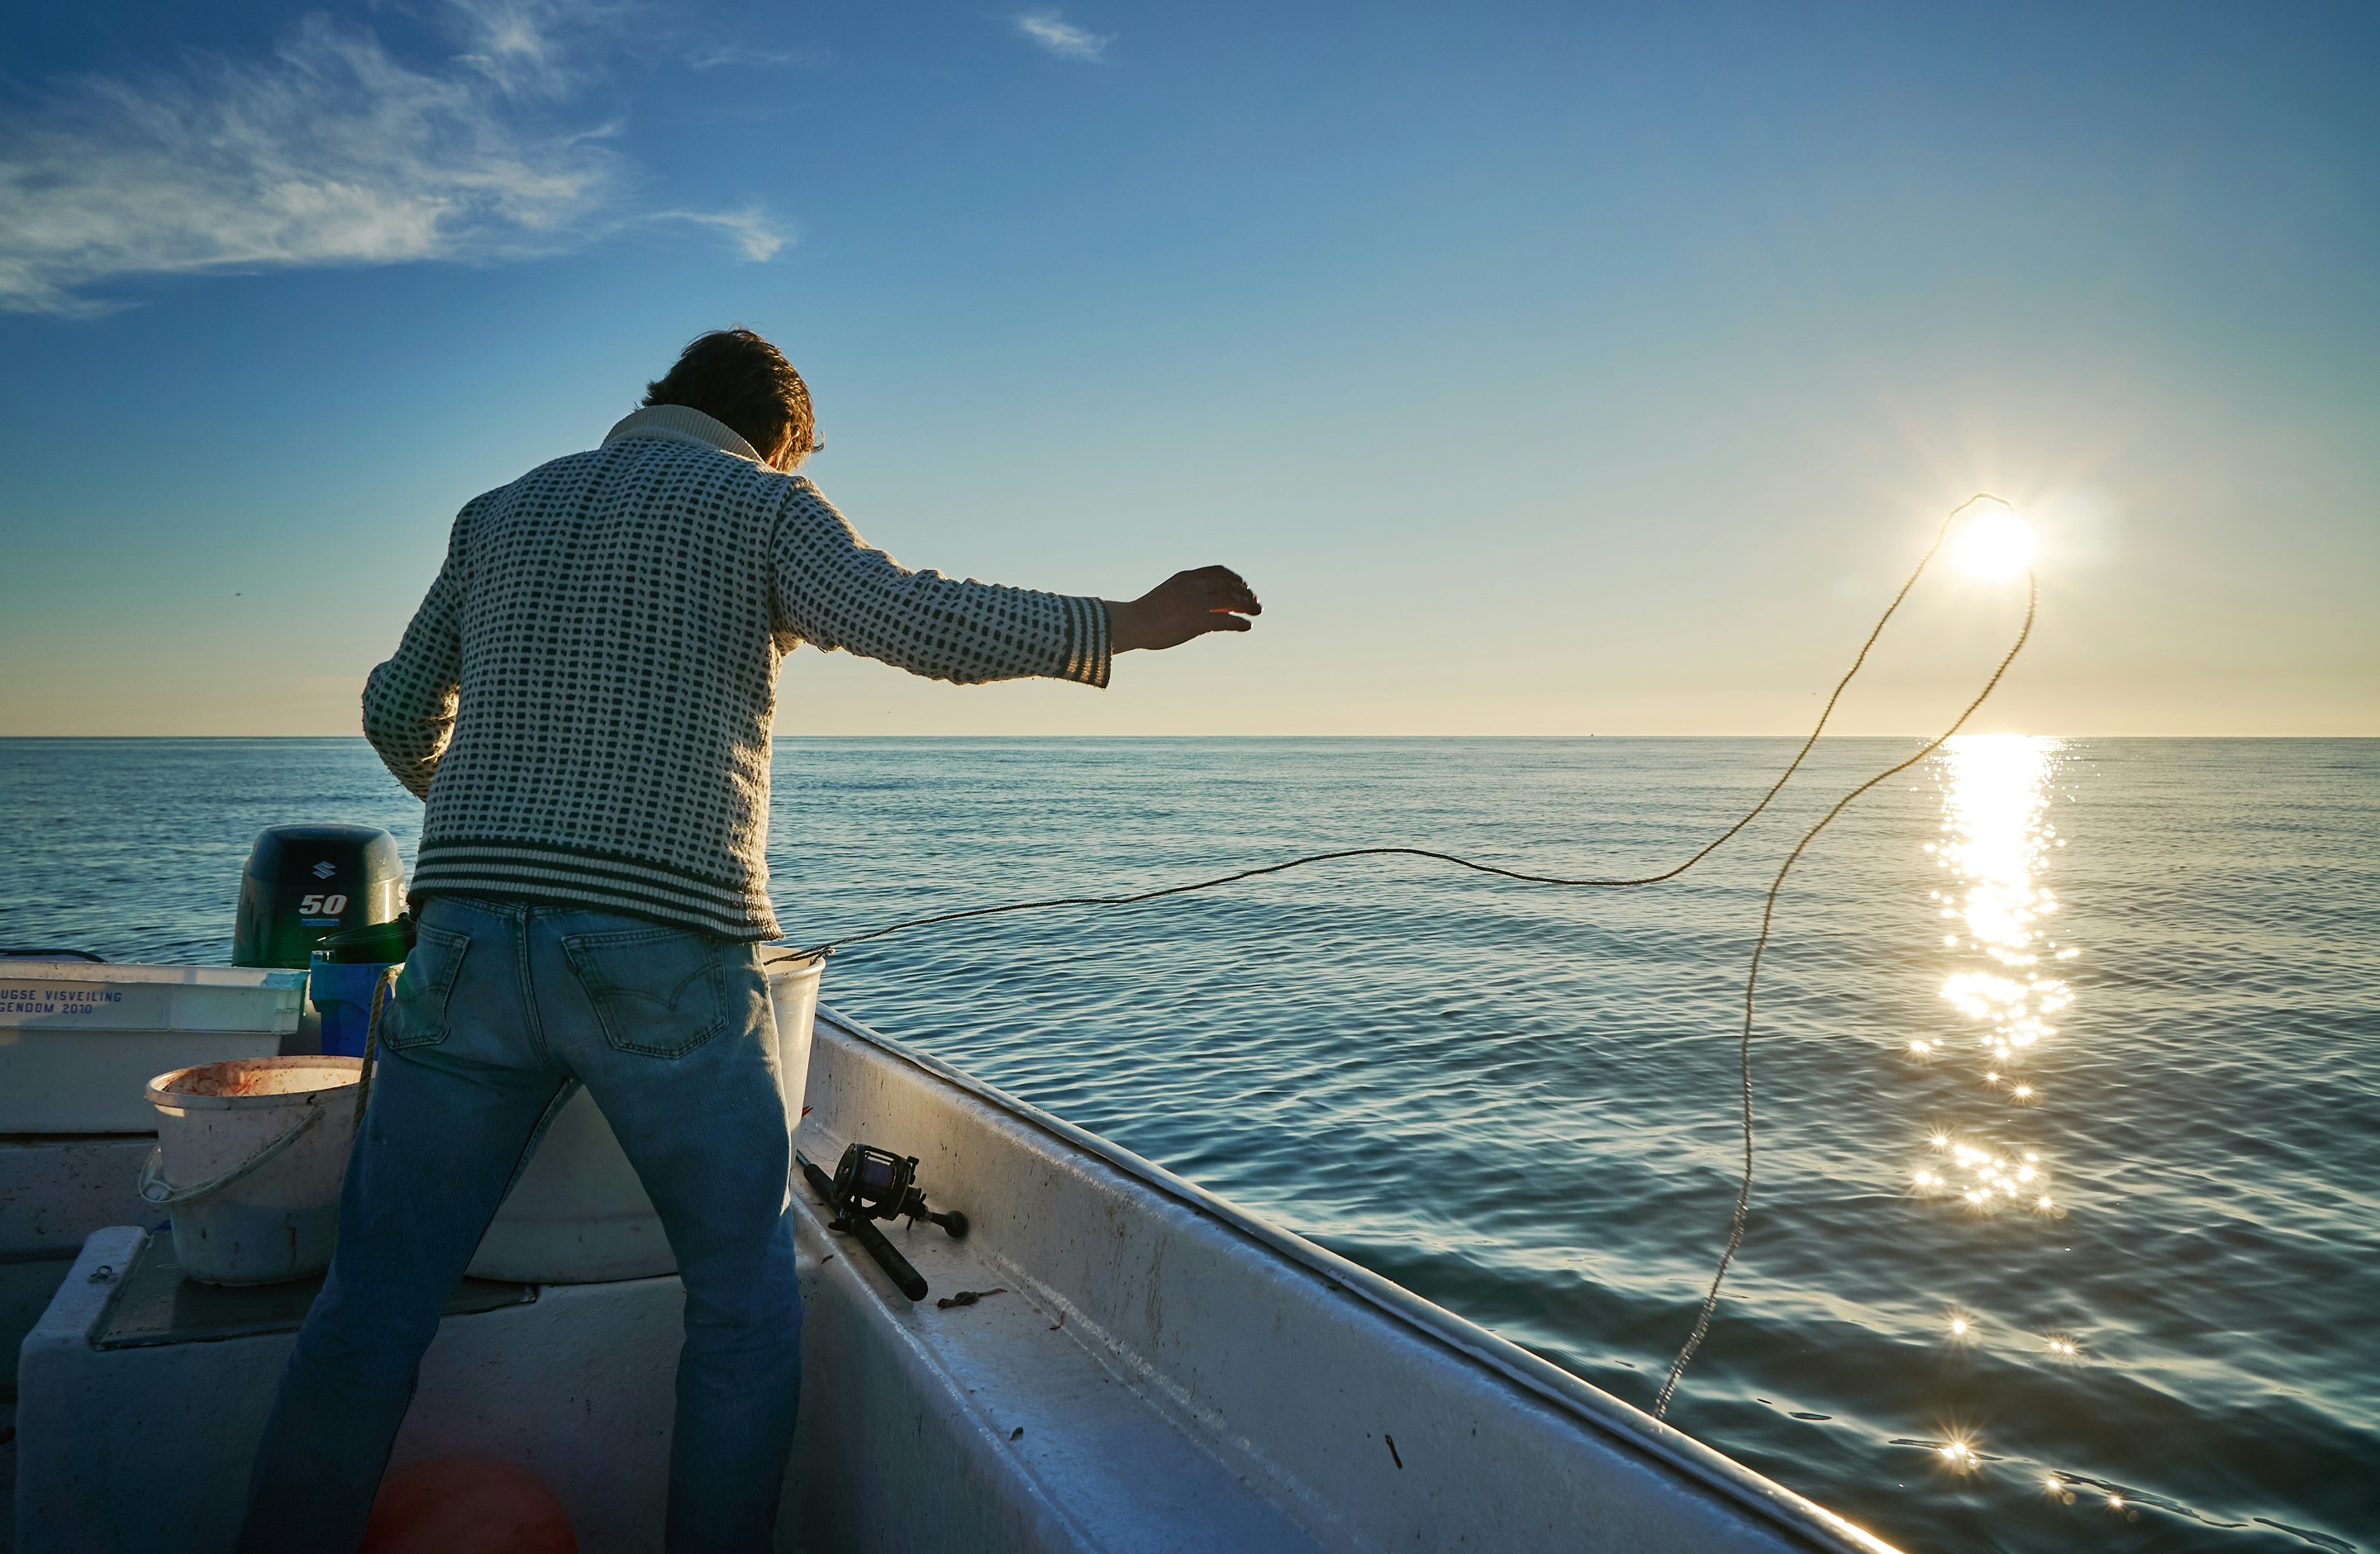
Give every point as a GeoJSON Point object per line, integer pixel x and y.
{"type": "Point", "coordinates": [2065, 1230]}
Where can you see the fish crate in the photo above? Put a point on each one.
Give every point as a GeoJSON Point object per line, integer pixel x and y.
{"type": "Point", "coordinates": [79, 1041]}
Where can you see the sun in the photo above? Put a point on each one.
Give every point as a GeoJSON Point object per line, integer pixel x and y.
{"type": "Point", "coordinates": [1994, 545]}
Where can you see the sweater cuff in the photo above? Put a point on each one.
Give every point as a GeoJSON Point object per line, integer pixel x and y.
{"type": "Point", "coordinates": [1089, 652]}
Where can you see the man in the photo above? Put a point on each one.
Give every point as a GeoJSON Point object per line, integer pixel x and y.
{"type": "Point", "coordinates": [584, 700]}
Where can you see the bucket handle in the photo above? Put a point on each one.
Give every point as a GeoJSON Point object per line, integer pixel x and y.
{"type": "Point", "coordinates": [156, 1189]}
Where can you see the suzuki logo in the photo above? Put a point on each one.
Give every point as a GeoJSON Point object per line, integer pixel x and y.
{"type": "Point", "coordinates": [324, 869]}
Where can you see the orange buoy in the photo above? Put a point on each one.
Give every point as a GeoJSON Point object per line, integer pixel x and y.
{"type": "Point", "coordinates": [466, 1505]}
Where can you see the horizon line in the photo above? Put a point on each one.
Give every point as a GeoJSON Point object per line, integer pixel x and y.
{"type": "Point", "coordinates": [358, 738]}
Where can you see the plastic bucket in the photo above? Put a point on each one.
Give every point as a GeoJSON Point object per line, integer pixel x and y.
{"type": "Point", "coordinates": [250, 1156]}
{"type": "Point", "coordinates": [342, 992]}
{"type": "Point", "coordinates": [578, 1215]}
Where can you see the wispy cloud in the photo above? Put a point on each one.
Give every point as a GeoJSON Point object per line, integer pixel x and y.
{"type": "Point", "coordinates": [530, 48]}
{"type": "Point", "coordinates": [329, 150]}
{"type": "Point", "coordinates": [1062, 38]}
{"type": "Point", "coordinates": [716, 54]}
{"type": "Point", "coordinates": [755, 237]}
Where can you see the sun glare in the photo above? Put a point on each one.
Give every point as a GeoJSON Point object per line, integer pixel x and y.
{"type": "Point", "coordinates": [1994, 545]}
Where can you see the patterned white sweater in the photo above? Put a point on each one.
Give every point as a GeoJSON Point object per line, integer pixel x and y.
{"type": "Point", "coordinates": [584, 698]}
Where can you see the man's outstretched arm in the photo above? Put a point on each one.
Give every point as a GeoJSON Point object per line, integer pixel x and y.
{"type": "Point", "coordinates": [837, 591]}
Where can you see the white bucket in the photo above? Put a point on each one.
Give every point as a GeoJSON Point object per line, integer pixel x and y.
{"type": "Point", "coordinates": [250, 1156]}
{"type": "Point", "coordinates": [578, 1215]}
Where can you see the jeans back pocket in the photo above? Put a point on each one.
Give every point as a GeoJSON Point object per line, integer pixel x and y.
{"type": "Point", "coordinates": [425, 989]}
{"type": "Point", "coordinates": [660, 991]}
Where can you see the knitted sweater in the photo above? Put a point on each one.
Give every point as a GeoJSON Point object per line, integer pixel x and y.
{"type": "Point", "coordinates": [584, 698]}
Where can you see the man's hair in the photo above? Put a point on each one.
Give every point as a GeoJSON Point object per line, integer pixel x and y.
{"type": "Point", "coordinates": [746, 384]}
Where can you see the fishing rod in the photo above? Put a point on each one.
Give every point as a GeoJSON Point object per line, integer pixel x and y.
{"type": "Point", "coordinates": [1741, 1219]}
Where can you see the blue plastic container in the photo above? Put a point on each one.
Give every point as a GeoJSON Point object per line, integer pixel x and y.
{"type": "Point", "coordinates": [342, 994]}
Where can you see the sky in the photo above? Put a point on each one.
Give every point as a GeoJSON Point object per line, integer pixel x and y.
{"type": "Point", "coordinates": [1549, 369]}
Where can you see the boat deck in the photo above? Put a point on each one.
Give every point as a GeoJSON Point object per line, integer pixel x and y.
{"type": "Point", "coordinates": [1036, 1428]}
{"type": "Point", "coordinates": [1159, 1370]}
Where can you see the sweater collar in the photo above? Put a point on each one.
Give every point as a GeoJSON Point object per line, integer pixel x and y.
{"type": "Point", "coordinates": [679, 423]}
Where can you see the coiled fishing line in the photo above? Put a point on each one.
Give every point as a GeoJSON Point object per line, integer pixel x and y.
{"type": "Point", "coordinates": [1739, 1221]}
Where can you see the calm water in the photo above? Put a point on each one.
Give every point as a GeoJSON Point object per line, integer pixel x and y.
{"type": "Point", "coordinates": [2069, 1062]}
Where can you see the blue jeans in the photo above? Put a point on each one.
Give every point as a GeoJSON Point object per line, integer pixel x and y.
{"type": "Point", "coordinates": [501, 1010]}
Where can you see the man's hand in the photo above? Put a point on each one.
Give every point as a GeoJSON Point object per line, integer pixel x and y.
{"type": "Point", "coordinates": [1185, 605]}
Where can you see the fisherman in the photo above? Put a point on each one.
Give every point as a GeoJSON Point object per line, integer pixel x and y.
{"type": "Point", "coordinates": [584, 700]}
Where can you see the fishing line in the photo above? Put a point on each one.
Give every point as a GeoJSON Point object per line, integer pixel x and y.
{"type": "Point", "coordinates": [1741, 1216]}
{"type": "Point", "coordinates": [1752, 980]}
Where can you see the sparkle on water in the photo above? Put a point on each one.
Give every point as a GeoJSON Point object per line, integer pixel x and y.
{"type": "Point", "coordinates": [1996, 834]}
{"type": "Point", "coordinates": [1959, 1454]}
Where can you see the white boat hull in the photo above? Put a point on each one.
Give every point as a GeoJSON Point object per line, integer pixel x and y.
{"type": "Point", "coordinates": [1161, 1371]}
{"type": "Point", "coordinates": [1185, 1376]}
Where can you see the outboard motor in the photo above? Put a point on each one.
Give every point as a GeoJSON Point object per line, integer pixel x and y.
{"type": "Point", "coordinates": [304, 883]}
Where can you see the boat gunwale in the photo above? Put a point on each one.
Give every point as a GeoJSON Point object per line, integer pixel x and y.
{"type": "Point", "coordinates": [1620, 1421]}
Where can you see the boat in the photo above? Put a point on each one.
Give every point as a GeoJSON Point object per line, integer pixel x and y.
{"type": "Point", "coordinates": [1112, 1359]}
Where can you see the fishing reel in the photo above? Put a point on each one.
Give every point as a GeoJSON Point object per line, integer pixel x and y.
{"type": "Point", "coordinates": [869, 1184]}
{"type": "Point", "coordinates": [880, 1184]}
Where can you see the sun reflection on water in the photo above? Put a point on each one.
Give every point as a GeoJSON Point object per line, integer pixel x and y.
{"type": "Point", "coordinates": [1996, 834]}
{"type": "Point", "coordinates": [2003, 978]}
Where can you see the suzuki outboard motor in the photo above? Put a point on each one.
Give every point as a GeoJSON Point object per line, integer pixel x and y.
{"type": "Point", "coordinates": [306, 883]}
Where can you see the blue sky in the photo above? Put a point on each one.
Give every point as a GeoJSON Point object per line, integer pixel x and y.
{"type": "Point", "coordinates": [1549, 369]}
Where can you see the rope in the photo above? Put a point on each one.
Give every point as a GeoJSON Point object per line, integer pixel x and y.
{"type": "Point", "coordinates": [381, 986]}
{"type": "Point", "coordinates": [1752, 980]}
{"type": "Point", "coordinates": [831, 945]}
{"type": "Point", "coordinates": [1741, 1216]}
